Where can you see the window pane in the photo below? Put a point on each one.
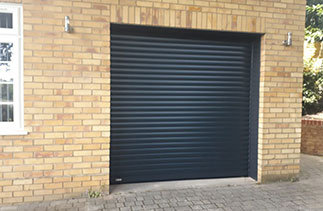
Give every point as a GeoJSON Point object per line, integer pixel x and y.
{"type": "Point", "coordinates": [6, 92]}
{"type": "Point", "coordinates": [5, 20]}
{"type": "Point", "coordinates": [6, 73]}
{"type": "Point", "coordinates": [5, 51]}
{"type": "Point", "coordinates": [6, 113]}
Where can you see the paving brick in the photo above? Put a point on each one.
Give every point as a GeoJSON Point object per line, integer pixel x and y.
{"type": "Point", "coordinates": [303, 195]}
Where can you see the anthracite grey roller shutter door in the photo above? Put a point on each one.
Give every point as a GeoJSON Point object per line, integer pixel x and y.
{"type": "Point", "coordinates": [179, 105]}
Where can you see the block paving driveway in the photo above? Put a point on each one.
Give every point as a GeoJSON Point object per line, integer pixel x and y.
{"type": "Point", "coordinates": [307, 194]}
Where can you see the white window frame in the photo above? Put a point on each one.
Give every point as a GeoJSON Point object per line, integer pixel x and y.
{"type": "Point", "coordinates": [16, 11]}
{"type": "Point", "coordinates": [15, 36]}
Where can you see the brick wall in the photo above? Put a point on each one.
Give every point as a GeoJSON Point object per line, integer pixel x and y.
{"type": "Point", "coordinates": [67, 87]}
{"type": "Point", "coordinates": [312, 137]}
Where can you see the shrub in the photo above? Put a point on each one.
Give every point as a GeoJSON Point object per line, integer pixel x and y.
{"type": "Point", "coordinates": [313, 87]}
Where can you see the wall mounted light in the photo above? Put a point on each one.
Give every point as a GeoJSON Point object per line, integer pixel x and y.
{"type": "Point", "coordinates": [67, 27]}
{"type": "Point", "coordinates": [288, 42]}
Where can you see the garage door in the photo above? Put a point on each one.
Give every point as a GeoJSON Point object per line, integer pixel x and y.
{"type": "Point", "coordinates": [180, 104]}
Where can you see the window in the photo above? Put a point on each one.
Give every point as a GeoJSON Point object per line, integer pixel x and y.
{"type": "Point", "coordinates": [5, 20]}
{"type": "Point", "coordinates": [11, 70]}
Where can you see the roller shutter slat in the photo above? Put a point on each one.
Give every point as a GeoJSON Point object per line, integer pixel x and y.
{"type": "Point", "coordinates": [179, 106]}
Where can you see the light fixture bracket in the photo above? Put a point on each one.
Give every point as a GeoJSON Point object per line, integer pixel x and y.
{"type": "Point", "coordinates": [67, 27]}
{"type": "Point", "coordinates": [288, 42]}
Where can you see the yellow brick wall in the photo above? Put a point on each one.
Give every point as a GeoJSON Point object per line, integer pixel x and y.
{"type": "Point", "coordinates": [67, 83]}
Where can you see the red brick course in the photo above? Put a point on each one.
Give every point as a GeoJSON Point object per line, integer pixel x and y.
{"type": "Point", "coordinates": [312, 137]}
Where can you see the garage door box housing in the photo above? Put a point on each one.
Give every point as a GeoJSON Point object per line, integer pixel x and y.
{"type": "Point", "coordinates": [67, 88]}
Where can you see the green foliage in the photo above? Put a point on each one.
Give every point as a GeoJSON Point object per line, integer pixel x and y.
{"type": "Point", "coordinates": [314, 23]}
{"type": "Point", "coordinates": [313, 72]}
{"type": "Point", "coordinates": [94, 194]}
{"type": "Point", "coordinates": [313, 87]}
{"type": "Point", "coordinates": [314, 2]}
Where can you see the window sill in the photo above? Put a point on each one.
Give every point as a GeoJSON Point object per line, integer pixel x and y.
{"type": "Point", "coordinates": [13, 133]}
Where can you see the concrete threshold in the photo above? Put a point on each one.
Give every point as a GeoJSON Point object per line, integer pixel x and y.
{"type": "Point", "coordinates": [180, 184]}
